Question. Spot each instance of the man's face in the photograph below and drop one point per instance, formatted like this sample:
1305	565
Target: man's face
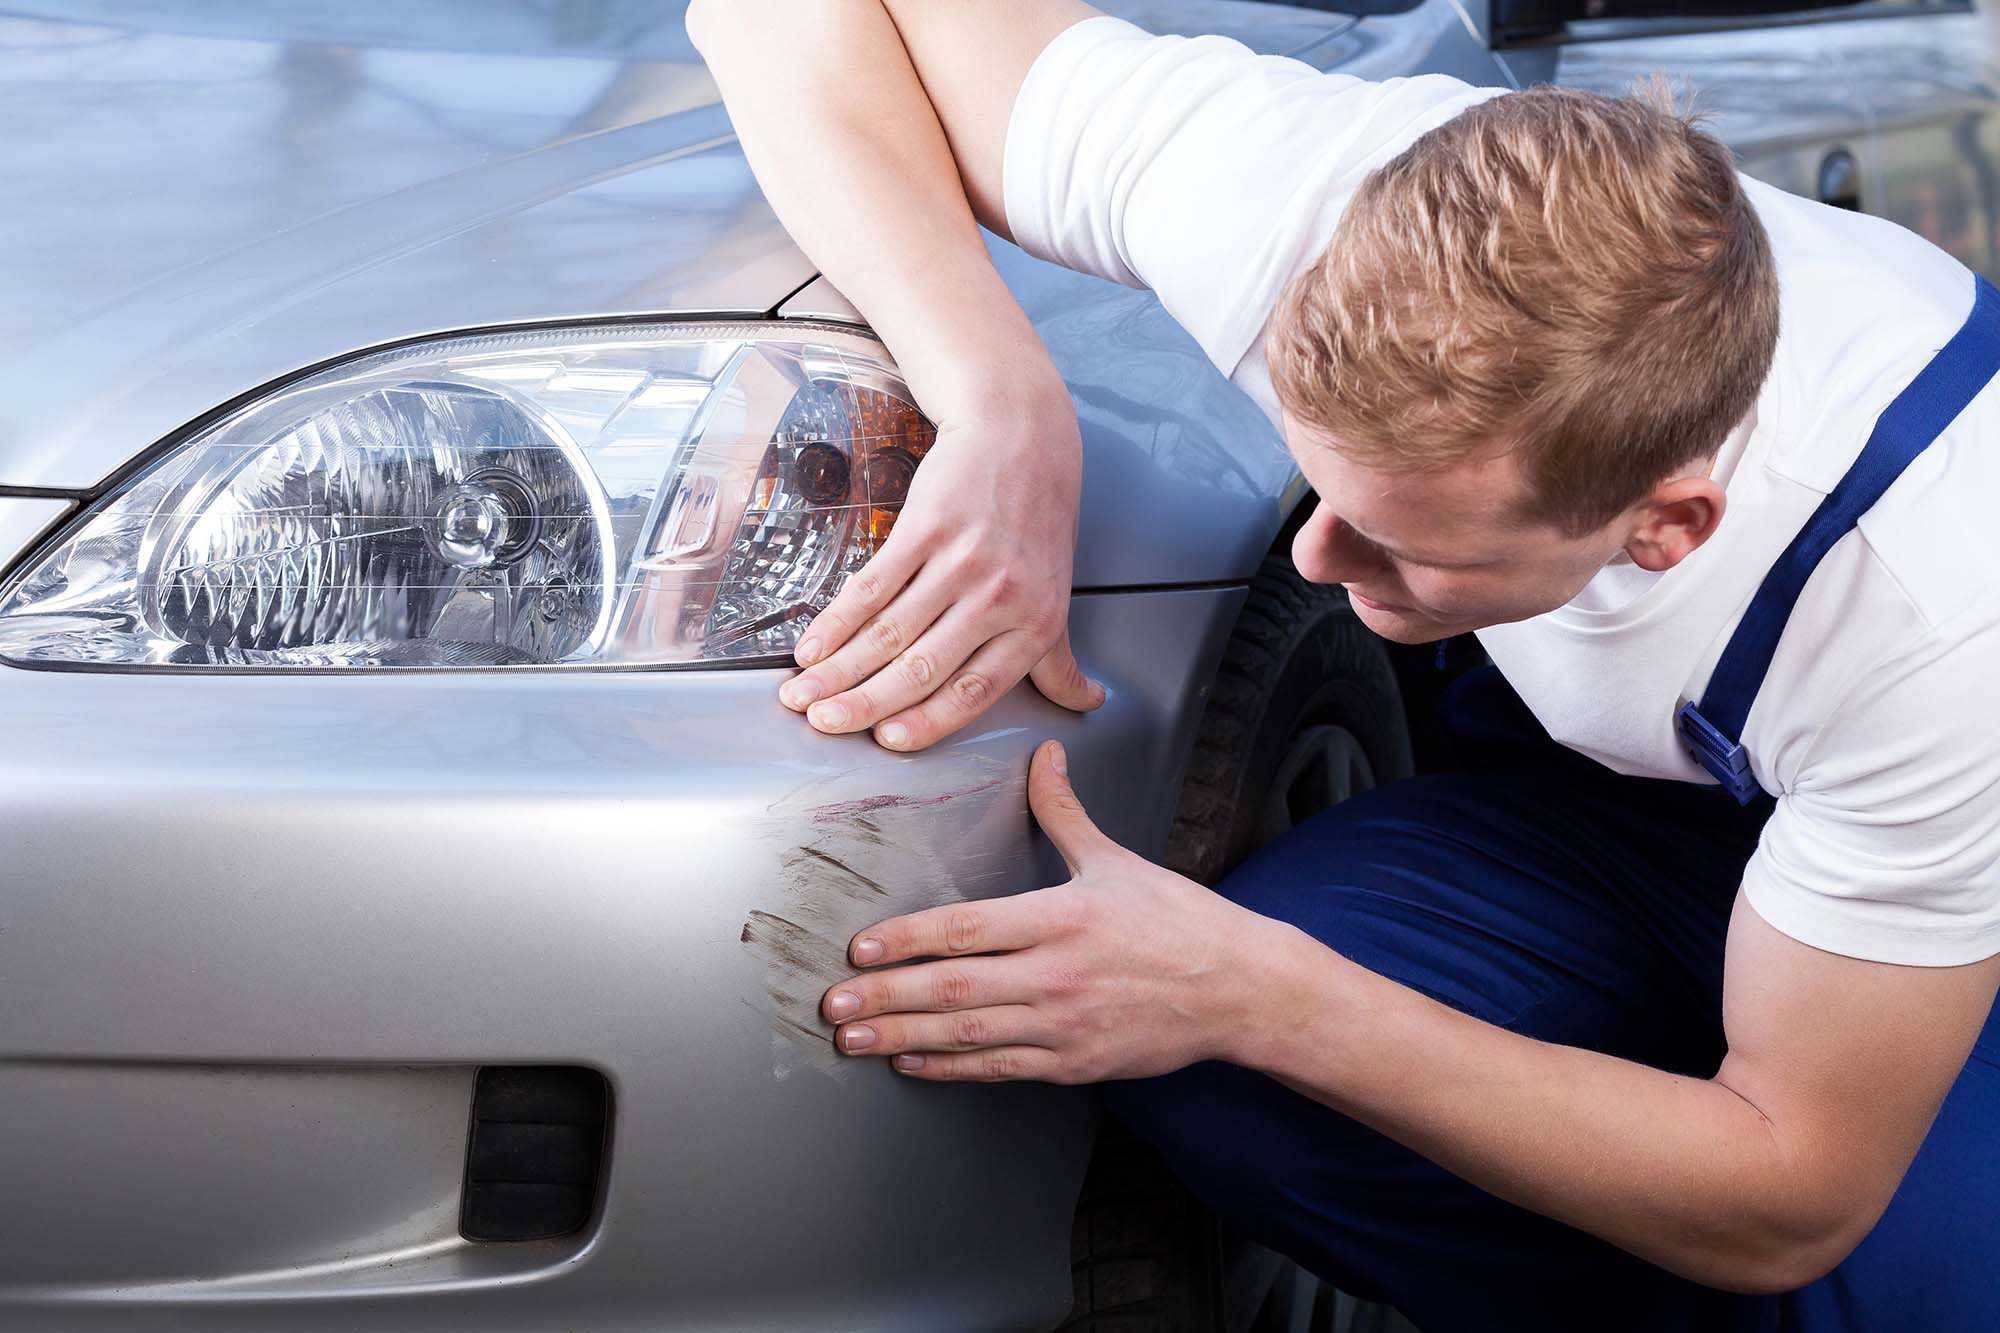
1425	555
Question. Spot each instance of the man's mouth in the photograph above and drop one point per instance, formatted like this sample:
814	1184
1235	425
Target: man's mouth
1374	605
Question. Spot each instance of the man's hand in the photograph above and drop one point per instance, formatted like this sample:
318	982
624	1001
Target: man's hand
970	592
884	181
1126	971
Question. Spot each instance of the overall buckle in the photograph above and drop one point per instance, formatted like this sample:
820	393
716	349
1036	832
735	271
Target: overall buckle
1726	759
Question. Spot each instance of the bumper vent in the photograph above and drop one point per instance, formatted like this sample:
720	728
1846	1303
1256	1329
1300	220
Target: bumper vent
532	1168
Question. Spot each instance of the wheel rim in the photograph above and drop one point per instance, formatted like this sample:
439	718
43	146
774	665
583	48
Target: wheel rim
1323	766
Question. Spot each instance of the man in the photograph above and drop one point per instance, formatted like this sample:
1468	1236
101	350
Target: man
1571	1039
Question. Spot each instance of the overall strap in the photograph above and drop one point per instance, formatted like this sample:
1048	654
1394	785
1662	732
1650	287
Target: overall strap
1713	731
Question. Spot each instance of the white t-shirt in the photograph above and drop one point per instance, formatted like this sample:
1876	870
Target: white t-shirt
1211	174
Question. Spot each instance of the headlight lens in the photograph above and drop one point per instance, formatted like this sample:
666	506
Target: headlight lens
638	495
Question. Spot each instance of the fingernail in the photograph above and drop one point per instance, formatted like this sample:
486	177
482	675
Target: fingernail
843	1004
909	1062
807	652
893	735
867	949
857	1037
1058	758
1096	693
828	715
798	693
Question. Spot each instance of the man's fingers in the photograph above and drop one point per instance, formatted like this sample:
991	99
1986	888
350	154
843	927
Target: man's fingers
893	630
970	1030
996	1064
972	689
1062	681
987	926
1059	812
869	590
913	675
938	987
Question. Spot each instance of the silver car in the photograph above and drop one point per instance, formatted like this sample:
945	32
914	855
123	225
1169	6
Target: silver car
419	448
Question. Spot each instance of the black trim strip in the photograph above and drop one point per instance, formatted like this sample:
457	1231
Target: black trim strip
1629	29
43	493
1128	589
772	313
853	326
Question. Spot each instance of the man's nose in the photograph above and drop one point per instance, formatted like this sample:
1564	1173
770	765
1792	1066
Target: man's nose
1326	550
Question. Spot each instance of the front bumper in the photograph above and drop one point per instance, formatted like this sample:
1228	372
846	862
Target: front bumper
258	932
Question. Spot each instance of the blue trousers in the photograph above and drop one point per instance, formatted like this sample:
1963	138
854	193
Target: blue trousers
1539	891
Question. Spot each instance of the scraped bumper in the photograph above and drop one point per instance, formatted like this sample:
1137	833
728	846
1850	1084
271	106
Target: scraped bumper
257	934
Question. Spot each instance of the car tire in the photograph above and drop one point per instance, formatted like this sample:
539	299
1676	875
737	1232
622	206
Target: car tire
1303	712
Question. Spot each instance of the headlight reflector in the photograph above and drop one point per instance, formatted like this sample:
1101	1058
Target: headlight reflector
604	496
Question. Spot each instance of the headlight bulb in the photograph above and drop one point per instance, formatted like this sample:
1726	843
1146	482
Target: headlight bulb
823	474
488	519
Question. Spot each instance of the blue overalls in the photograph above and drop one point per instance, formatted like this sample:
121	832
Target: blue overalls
1537	890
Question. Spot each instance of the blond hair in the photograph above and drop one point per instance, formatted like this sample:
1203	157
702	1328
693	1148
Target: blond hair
1575	277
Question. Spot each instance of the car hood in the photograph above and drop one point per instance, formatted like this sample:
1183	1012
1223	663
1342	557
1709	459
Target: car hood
208	197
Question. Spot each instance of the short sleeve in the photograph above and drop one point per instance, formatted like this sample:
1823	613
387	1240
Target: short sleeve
1886	845
1197	167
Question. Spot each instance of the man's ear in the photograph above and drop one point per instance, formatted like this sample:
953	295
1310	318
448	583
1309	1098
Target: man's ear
1678	516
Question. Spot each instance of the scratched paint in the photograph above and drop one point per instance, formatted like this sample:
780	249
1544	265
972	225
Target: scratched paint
850	854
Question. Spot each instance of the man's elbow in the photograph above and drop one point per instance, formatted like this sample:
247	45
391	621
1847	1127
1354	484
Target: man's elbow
1784	1258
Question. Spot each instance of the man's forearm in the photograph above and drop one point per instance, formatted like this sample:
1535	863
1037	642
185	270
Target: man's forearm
1680	1171
851	155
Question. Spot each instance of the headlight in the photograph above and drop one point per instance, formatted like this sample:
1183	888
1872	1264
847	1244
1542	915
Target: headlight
635	495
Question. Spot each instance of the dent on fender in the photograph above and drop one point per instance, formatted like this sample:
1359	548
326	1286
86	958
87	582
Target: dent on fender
850	854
